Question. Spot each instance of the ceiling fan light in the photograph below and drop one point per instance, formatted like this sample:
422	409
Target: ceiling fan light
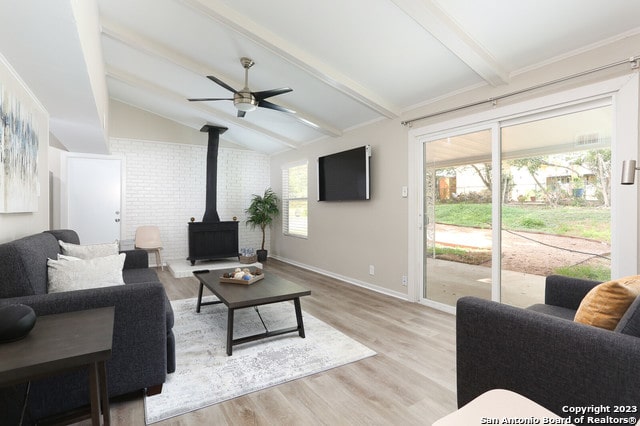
245	101
246	105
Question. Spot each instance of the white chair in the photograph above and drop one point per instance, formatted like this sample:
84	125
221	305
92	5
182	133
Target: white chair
148	238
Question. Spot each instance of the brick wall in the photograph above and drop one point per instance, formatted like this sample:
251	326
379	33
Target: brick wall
165	185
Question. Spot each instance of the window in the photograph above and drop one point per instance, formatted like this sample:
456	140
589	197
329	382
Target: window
294	200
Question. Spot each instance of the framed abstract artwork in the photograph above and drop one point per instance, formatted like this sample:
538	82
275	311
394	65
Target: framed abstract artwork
19	145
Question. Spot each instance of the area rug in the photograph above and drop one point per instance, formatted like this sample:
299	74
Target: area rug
205	375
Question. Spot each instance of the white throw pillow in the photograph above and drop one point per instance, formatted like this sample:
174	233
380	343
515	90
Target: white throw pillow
70	273
89	251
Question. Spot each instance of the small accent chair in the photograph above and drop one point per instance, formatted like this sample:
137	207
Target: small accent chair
148	238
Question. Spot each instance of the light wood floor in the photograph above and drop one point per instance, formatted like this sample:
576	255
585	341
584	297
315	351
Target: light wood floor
411	380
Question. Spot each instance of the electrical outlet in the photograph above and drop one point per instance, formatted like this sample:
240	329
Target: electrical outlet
405	281
372	270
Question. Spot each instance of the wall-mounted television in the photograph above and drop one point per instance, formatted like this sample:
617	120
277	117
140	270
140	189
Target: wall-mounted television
344	176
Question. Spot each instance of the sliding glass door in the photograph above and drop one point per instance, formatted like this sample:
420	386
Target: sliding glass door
556	202
457	217
507	205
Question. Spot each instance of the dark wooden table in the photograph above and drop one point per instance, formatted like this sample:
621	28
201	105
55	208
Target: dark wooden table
62	342
271	289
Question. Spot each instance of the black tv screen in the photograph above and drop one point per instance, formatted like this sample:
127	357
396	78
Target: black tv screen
344	176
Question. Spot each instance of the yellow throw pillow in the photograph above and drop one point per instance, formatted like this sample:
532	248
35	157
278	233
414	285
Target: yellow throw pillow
606	303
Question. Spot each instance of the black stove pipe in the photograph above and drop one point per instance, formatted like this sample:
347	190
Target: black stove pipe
211	211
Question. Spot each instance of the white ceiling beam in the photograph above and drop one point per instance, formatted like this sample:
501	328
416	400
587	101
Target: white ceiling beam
429	15
169	95
221	12
143	44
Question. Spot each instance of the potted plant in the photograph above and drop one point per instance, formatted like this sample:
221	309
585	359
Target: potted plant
261	212
533	195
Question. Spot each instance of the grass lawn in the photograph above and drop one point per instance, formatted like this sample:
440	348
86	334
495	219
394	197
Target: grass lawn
584	222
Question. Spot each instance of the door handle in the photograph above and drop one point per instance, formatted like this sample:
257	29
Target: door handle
117	220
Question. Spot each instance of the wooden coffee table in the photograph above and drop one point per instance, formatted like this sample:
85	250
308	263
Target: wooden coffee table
61	342
271	289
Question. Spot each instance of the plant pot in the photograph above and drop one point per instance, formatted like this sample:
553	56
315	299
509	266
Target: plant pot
262	255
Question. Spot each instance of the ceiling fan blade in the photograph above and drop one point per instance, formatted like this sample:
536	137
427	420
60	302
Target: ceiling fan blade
222	83
267	104
241	113
209	99
269	93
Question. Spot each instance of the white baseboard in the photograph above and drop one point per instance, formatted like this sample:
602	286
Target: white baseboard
348	280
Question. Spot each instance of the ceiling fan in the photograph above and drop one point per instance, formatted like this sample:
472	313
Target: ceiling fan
245	100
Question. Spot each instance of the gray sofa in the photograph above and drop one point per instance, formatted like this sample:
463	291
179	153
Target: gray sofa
540	353
143	349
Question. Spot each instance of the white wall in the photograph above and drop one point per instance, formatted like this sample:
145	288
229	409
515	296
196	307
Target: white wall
128	122
346	237
55	189
165	185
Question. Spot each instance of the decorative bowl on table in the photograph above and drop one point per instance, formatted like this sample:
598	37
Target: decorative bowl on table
242	276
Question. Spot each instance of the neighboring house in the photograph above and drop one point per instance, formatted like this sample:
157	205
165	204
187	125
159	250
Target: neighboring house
569	179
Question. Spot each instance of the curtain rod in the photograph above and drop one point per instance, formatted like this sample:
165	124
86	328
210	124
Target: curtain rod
633	60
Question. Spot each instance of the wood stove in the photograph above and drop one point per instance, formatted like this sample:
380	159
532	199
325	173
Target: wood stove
211	238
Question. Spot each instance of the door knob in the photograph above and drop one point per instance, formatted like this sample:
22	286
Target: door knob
117	220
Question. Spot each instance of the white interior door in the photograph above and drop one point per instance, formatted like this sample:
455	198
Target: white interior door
93	198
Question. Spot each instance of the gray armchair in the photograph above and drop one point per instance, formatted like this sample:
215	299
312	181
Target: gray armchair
540	353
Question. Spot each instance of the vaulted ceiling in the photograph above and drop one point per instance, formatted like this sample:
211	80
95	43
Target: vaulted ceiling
349	63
